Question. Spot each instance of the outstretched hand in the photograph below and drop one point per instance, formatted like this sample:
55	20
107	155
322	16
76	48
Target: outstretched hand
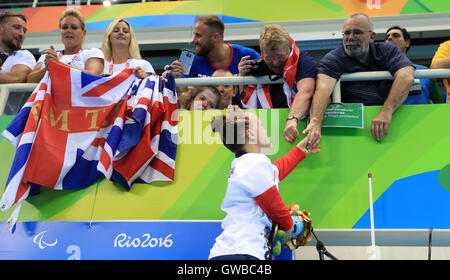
303	145
314	131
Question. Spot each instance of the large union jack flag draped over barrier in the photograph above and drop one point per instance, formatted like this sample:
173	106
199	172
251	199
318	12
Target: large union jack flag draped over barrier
76	127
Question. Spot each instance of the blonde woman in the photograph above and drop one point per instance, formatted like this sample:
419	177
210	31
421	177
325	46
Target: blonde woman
121	50
72	28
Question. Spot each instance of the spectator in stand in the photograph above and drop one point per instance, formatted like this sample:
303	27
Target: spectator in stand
282	57
423	90
199	98
441	60
121	50
229	94
211	51
72	28
15	63
359	53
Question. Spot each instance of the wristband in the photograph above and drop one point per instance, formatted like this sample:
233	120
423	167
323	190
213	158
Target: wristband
292	117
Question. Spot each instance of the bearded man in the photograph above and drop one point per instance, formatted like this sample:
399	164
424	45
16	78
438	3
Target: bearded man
360	53
15	64
211	52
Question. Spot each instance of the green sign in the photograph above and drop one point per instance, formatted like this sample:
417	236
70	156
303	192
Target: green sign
344	115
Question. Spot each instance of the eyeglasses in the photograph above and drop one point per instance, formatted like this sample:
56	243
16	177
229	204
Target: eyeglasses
355	32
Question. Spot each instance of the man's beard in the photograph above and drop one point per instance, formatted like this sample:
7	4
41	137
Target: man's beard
355	52
203	50
10	45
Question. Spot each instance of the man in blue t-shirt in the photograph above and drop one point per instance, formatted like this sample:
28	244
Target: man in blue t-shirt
359	53
211	51
423	90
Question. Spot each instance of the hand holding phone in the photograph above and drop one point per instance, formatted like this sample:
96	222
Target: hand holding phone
186	59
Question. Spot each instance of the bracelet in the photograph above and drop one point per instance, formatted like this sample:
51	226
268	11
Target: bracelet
292	117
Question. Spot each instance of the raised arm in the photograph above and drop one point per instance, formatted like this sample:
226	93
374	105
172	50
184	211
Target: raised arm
291	159
288	162
270	201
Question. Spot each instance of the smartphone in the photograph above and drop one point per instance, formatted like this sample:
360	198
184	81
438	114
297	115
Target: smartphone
186	59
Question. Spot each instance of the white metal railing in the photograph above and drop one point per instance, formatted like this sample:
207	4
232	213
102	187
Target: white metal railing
235	80
6	89
384	75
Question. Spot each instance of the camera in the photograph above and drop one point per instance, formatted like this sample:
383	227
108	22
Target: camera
259	68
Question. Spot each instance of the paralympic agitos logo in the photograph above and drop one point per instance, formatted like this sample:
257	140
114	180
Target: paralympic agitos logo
40	241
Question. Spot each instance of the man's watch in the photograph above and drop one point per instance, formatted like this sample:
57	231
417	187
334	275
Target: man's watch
292	117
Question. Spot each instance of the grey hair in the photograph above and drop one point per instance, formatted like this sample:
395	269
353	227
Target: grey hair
363	15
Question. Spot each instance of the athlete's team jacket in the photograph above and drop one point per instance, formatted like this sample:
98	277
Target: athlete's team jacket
252	202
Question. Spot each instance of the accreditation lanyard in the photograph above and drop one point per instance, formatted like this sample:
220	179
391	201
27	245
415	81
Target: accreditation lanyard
60	55
111	65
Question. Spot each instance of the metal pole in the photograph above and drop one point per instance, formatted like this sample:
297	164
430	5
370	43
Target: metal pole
336	94
4	94
372	223
214	81
385	75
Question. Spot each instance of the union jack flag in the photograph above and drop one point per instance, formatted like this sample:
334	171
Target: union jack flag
76	127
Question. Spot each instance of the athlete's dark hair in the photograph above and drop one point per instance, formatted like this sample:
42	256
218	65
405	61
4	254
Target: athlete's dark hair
231	128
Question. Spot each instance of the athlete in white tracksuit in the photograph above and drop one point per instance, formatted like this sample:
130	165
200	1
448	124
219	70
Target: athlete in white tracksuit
252	201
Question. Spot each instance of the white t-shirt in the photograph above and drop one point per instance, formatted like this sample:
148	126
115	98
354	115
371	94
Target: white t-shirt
131	63
15	98
19	57
246	228
77	60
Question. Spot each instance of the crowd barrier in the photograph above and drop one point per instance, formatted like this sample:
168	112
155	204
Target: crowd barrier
6	89
384	75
